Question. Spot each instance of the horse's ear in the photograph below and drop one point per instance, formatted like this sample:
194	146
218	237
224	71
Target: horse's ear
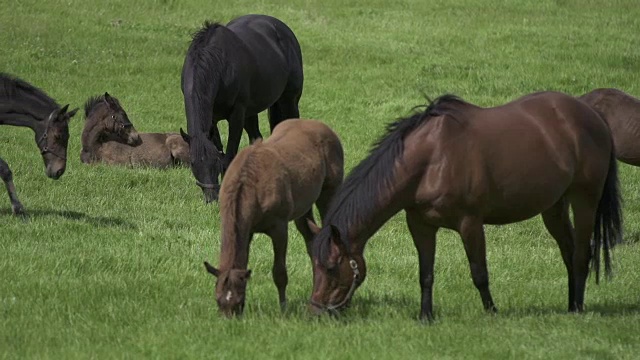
313	227
70	114
63	109
185	136
211	270
110	100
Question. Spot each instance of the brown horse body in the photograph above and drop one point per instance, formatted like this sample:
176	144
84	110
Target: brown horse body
622	112
110	138
267	185
459	166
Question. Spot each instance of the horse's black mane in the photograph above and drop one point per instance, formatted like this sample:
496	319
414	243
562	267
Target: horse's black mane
23	97
94	102
361	190
203	33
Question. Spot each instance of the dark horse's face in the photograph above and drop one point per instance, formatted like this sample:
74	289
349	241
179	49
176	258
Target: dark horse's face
52	139
116	123
231	286
206	164
336	274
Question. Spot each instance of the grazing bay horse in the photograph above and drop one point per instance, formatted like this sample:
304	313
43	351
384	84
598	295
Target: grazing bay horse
459	166
22	104
110	137
234	72
622	112
269	184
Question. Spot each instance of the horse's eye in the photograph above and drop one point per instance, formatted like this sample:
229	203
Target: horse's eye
113	117
122	125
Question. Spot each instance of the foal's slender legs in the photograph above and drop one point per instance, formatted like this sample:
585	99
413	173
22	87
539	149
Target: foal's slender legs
279	234
7	177
424	238
556	220
303	227
252	128
472	232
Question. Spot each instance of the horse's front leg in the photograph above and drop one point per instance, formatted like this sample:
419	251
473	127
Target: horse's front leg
214	136
236	124
279	237
7	177
472	232
424	238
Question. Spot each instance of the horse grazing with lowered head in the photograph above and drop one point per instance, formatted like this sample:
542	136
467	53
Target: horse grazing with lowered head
269	184
109	137
459	166
622	112
22	104
234	72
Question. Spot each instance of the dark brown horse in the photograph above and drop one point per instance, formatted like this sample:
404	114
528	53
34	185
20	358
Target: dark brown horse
459	166
234	72
109	137
269	184
622	112
22	104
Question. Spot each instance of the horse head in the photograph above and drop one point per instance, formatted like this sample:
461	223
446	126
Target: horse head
337	273
230	290
206	163
116	123
52	138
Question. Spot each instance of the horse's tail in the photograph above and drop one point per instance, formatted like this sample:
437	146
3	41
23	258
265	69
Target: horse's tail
608	227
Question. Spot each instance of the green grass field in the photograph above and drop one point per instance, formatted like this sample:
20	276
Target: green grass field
109	264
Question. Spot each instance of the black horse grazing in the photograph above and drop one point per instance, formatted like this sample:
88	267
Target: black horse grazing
22	104
234	72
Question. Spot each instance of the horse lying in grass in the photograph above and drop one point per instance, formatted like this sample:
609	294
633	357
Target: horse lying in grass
267	185
109	137
459	166
22	104
622	112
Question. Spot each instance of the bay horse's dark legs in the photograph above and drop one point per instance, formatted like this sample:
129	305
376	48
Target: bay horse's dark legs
424	238
472	233
7	177
279	235
252	128
557	221
584	214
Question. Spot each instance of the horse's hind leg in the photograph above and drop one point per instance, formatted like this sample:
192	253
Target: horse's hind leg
7	177
584	214
283	109
252	128
472	232
279	235
303	227
557	221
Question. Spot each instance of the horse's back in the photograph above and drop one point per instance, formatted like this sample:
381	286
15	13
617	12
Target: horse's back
621	111
513	161
151	152
288	170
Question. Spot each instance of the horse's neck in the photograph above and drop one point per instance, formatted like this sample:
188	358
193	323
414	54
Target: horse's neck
91	137
24	120
363	224
237	228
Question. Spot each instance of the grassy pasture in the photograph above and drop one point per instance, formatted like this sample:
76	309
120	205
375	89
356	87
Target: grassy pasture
110	262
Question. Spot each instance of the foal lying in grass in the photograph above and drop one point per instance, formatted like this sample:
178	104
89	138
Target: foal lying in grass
110	137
